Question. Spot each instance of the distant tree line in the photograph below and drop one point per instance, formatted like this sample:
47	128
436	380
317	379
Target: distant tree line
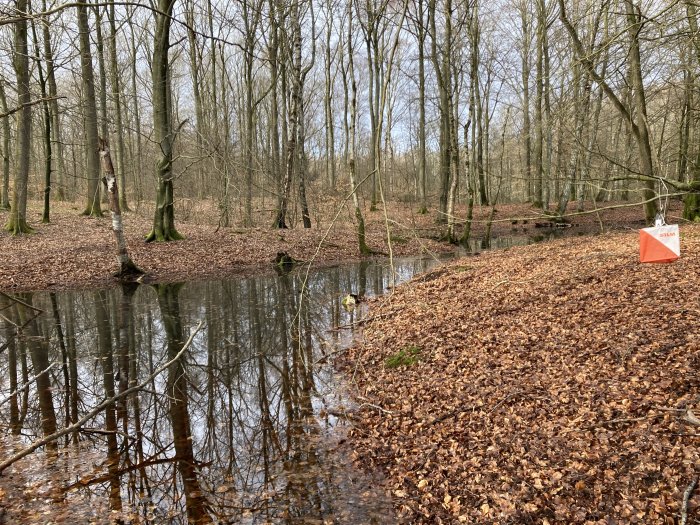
260	104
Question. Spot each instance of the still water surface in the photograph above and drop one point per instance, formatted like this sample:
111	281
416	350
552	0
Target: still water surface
243	428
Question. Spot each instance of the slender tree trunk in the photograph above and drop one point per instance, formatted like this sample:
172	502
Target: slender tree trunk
328	105
92	174
527	128
46	113
691	202
5	201
195	61
634	19
58	167
478	106
136	164
294	116
249	58
39	354
354	187
273	52
422	160
116	87
127	268
17	223
548	122
537	198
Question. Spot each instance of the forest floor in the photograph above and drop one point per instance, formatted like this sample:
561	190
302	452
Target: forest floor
551	383
559	383
79	252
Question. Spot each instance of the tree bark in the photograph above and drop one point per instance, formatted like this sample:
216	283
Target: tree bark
196	503
17	223
5	201
691	202
127	268
116	87
92	174
354	187
164	217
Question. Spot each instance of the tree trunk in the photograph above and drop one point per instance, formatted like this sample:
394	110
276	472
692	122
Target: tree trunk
328	105
39	354
58	167
92	206
354	187
115	80
691	202
127	268
527	138
164	217
634	19
196	503
17	223
294	116
537	198
46	113
422	161
5	201
273	52
136	164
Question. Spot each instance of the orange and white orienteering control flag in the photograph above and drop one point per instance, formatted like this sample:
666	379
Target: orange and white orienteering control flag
659	244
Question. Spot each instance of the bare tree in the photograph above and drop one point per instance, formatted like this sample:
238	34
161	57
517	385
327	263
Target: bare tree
17	222
5	200
164	134
92	168
635	115
127	268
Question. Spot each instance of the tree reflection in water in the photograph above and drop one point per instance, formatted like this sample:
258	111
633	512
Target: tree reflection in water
231	432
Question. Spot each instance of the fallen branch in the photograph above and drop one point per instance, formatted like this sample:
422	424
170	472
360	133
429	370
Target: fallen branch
14	299
25	385
84	482
99	408
691	418
623	420
375	407
450	414
355	324
686	498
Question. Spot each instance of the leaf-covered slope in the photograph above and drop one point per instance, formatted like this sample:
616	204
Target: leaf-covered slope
552	387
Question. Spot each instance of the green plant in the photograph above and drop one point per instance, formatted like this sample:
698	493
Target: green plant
405	357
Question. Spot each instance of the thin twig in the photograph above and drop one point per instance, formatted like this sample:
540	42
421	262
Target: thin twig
686	498
378	408
357	323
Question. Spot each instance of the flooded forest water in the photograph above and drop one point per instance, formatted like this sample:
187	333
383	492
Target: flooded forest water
244	426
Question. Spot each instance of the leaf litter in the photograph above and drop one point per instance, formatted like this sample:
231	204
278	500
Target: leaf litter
557	383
